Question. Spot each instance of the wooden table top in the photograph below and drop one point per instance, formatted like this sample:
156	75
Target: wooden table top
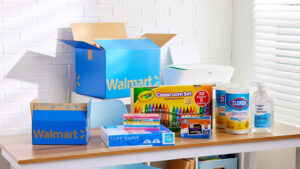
19	147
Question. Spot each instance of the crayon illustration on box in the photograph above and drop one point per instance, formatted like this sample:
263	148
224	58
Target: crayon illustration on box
172	102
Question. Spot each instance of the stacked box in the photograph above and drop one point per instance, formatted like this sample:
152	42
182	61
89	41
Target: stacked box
171	102
141	122
60	123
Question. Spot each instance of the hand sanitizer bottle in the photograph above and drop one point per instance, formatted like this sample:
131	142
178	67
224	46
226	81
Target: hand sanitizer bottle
262	110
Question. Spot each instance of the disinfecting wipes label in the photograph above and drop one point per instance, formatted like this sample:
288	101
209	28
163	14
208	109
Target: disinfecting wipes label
262	118
237	111
220	107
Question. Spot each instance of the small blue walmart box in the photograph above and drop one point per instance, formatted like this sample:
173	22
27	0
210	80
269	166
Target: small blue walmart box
107	64
116	136
60	123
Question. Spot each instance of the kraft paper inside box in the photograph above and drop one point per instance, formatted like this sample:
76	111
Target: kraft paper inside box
181	164
107	63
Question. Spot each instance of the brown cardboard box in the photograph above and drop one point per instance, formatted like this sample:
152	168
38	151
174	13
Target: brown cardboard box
181	164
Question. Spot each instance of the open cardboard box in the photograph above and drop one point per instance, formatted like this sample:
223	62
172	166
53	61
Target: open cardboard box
107	63
60	123
187	69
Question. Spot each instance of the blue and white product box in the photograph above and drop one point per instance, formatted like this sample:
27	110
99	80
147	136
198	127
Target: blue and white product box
107	64
116	136
60	123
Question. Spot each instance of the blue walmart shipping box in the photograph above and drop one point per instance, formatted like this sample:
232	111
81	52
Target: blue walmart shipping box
60	123
107	63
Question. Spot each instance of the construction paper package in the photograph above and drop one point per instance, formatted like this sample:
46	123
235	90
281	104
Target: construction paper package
116	136
60	123
171	102
107	63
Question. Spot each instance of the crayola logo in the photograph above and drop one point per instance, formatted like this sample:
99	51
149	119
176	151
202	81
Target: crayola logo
58	134
239	103
221	99
114	84
145	96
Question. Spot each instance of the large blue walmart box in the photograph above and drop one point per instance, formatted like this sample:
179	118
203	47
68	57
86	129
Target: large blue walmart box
108	64
60	123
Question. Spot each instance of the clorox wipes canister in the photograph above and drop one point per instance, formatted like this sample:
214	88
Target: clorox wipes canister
237	110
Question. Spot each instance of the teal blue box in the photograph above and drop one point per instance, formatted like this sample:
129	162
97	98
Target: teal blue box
60	123
107	64
227	163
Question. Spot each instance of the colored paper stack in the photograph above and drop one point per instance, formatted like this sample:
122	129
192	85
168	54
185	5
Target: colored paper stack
141	122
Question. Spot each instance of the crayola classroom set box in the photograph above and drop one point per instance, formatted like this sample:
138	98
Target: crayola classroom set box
171	102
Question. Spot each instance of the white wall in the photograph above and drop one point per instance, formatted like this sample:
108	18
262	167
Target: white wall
33	64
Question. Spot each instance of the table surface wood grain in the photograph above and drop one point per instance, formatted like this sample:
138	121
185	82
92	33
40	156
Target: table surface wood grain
19	147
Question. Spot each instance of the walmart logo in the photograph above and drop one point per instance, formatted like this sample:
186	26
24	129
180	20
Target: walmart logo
59	134
114	84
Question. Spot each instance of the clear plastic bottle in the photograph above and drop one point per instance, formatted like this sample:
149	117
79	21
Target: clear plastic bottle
262	110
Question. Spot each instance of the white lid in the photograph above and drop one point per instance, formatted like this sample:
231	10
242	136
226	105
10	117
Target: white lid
223	86
260	85
237	90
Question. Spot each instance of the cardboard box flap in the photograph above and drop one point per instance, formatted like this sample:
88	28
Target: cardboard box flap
59	115
31	105
79	44
159	39
87	32
127	44
60	106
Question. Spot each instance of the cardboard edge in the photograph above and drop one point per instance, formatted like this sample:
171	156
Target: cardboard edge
160	39
60	106
31	105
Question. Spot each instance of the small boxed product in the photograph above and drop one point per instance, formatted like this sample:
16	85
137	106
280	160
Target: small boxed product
141	122
107	63
195	126
60	123
171	102
116	136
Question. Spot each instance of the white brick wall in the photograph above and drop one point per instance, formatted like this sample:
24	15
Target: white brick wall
33	64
